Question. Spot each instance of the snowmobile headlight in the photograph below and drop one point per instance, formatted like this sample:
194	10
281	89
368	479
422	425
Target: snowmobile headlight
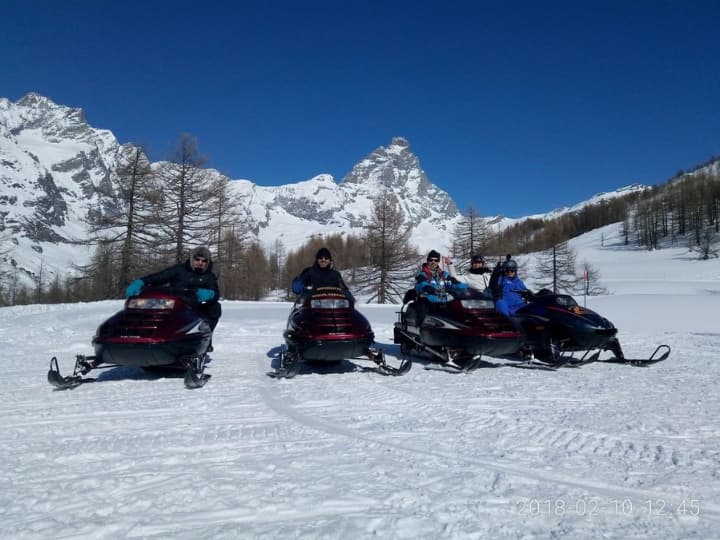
477	303
330	303
151	303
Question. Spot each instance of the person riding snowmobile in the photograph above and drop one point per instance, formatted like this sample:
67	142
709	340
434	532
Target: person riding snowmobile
477	276
509	291
432	282
321	274
195	274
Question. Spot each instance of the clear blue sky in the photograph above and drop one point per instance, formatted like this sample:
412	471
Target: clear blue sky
515	107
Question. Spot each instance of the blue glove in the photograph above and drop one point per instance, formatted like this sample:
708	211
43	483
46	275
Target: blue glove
134	288
297	286
203	295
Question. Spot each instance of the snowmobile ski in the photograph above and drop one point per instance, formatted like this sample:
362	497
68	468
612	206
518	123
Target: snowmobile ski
453	366
195	376
82	366
383	368
579	362
289	366
387	369
195	380
659	354
535	363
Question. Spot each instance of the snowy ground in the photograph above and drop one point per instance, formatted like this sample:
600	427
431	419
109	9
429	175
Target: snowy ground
604	451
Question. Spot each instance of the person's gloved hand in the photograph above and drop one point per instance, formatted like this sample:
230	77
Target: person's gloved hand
203	295
527	295
134	288
297	286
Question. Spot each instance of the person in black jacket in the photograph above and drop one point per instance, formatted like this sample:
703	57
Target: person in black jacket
195	274
320	274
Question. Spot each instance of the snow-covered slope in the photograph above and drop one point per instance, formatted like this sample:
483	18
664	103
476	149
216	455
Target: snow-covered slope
604	451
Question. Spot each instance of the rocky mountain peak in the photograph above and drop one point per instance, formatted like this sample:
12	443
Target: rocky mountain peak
396	169
56	169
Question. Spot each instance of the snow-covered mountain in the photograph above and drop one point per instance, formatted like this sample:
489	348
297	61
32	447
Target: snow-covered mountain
56	170
293	213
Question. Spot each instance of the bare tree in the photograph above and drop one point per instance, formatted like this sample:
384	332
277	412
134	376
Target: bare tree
185	209
555	269
224	216
471	234
709	244
391	260
591	280
125	232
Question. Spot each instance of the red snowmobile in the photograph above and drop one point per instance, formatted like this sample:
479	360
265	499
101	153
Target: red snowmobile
324	328
159	329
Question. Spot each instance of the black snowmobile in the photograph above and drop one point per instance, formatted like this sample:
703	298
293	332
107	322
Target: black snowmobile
455	334
324	328
556	327
157	330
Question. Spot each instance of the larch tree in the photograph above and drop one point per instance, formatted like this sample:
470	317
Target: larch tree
186	213
391	258
555	269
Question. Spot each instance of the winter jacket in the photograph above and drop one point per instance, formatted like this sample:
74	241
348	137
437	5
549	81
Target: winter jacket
435	285
182	276
315	276
510	298
478	280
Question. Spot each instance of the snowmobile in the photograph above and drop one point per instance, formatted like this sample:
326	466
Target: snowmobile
455	334
324	328
556	327
157	330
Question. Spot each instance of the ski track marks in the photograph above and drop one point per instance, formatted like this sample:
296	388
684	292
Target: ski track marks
570	476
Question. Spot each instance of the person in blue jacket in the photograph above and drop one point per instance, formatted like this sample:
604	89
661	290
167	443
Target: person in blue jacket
195	274
432	282
509	290
432	285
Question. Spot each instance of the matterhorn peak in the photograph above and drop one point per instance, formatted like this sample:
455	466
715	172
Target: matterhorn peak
400	141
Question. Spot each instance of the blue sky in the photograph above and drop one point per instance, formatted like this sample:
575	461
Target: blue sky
516	107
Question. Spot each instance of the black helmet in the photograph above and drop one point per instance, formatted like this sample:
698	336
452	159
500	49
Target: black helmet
477	258
510	265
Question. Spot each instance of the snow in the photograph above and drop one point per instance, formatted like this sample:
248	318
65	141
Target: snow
603	451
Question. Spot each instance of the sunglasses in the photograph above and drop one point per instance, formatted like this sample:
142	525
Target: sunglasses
200	259
433	260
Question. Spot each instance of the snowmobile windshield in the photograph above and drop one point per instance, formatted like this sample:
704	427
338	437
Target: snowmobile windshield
565	301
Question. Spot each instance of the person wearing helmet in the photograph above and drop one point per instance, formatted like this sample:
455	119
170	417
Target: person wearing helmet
509	291
477	276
